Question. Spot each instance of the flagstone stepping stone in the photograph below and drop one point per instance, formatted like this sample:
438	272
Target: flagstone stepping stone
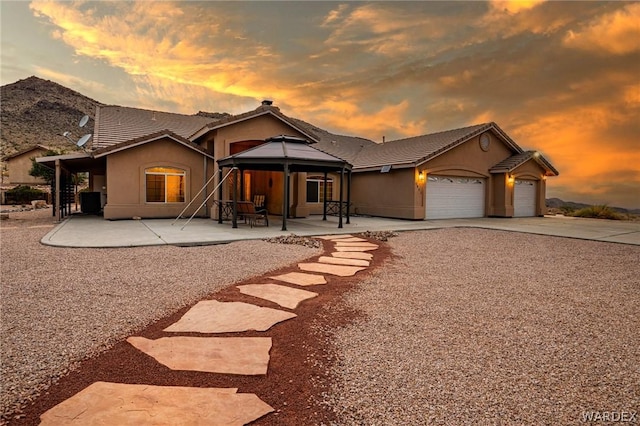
355	248
300	278
339	261
351	240
361	244
226	355
103	403
325	268
334	237
280	294
212	316
352	255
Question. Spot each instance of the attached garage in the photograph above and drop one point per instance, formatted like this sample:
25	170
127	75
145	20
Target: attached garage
524	198
451	197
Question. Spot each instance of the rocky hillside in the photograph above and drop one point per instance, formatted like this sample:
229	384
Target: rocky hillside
37	111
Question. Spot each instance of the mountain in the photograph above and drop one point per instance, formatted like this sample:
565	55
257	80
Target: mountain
37	111
557	203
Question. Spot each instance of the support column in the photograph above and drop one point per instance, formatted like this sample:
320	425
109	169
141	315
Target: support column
341	198
285	197
57	205
348	194
235	201
324	202
220	194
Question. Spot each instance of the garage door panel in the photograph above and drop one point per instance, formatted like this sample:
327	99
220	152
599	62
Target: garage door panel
524	198
450	197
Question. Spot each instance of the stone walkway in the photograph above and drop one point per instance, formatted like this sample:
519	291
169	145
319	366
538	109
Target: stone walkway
104	403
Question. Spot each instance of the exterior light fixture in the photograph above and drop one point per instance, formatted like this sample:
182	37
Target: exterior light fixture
421	176
510	179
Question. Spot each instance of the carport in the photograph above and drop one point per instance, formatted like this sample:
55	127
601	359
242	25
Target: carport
288	154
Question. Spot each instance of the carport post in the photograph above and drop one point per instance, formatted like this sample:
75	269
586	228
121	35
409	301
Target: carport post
58	176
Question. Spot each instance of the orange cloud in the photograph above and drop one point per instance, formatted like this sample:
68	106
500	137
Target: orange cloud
616	33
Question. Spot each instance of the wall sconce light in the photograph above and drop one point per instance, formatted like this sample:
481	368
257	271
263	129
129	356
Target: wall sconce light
421	176
510	179
544	177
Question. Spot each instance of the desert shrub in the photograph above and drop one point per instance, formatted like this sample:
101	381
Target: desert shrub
601	211
23	194
567	210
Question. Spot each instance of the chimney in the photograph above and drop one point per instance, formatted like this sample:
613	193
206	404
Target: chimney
267	102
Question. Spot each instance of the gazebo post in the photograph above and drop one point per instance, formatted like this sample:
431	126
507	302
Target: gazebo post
235	201
324	203
285	198
348	194
341	198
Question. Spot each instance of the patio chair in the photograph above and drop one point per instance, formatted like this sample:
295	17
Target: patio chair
248	211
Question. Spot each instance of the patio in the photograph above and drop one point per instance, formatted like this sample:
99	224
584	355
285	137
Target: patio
94	231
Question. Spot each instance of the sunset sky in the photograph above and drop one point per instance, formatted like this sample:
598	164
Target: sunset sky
559	77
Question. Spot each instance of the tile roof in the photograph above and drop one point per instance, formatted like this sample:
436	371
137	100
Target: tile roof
26	150
117	124
149	138
416	150
510	164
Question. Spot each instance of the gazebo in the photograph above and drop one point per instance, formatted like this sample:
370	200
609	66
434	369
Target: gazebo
287	154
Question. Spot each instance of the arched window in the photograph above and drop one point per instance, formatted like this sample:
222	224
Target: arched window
315	189
165	185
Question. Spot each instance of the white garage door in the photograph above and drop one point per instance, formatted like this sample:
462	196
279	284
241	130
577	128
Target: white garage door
524	198
450	197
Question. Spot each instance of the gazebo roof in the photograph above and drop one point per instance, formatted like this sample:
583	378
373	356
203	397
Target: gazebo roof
278	151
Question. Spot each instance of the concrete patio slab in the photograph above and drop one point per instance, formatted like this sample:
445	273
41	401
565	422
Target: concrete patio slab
212	316
225	355
352	255
94	231
338	261
300	278
282	295
103	403
325	268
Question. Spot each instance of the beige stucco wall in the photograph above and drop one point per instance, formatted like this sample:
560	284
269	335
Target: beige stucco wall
18	168
395	194
126	183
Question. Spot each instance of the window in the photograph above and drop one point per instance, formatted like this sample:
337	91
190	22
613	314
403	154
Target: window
315	189
165	185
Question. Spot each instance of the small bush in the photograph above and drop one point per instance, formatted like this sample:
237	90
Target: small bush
567	210
601	211
23	194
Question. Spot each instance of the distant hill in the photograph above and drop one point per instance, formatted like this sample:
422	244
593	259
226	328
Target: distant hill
37	111
557	203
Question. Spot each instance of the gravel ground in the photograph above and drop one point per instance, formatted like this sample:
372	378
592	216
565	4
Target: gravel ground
62	305
471	326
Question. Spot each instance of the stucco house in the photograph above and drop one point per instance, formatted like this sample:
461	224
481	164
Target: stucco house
19	164
153	164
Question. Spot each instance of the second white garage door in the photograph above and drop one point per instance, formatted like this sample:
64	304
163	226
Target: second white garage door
450	197
524	198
